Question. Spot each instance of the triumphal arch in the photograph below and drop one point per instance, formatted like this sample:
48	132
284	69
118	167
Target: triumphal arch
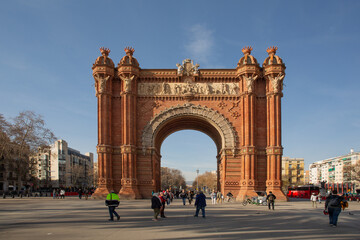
239	108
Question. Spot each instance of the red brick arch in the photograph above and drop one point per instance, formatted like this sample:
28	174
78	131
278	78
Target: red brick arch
240	109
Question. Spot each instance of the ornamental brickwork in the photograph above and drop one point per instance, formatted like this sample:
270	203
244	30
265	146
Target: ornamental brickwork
240	109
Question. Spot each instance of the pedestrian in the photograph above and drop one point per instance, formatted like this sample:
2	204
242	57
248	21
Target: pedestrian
62	193
319	197
168	196
156	205
271	200
183	195
213	197
86	192
190	196
219	197
313	199
112	201
200	203
80	193
333	207
54	193
163	203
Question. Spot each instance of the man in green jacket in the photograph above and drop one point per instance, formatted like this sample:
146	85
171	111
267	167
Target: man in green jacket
112	201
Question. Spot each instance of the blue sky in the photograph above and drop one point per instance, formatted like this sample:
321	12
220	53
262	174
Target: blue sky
48	47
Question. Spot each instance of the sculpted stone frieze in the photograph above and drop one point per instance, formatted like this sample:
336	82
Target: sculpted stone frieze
160	89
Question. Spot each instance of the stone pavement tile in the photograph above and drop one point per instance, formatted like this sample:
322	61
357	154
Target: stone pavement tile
46	218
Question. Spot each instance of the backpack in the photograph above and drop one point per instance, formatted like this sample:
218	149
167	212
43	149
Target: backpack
335	202
271	198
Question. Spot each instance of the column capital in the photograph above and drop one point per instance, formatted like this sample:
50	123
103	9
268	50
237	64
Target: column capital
274	150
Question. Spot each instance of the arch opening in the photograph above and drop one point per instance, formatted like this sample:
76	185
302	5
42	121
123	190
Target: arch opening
188	150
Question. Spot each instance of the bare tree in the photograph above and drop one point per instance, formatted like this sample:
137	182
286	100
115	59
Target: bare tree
172	178
352	171
207	179
77	175
26	134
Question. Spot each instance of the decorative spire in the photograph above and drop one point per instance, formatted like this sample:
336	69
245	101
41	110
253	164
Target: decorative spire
271	51
247	50
129	51
104	51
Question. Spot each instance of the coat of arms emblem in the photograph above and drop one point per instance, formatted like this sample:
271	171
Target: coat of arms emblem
188	68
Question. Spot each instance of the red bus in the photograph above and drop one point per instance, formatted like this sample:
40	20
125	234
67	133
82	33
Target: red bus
303	191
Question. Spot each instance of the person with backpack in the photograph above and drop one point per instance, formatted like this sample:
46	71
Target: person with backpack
333	206
112	201
271	200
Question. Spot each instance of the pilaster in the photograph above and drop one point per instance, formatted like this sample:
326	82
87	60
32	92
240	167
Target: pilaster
274	74
103	72
128	72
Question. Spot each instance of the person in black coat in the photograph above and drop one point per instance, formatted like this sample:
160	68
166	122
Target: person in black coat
200	203
156	205
333	206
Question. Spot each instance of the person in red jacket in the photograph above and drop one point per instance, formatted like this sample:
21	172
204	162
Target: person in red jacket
163	202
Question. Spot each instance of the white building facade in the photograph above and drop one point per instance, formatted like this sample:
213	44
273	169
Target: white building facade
70	168
62	166
331	171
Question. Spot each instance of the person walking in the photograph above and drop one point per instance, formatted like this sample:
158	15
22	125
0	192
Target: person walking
213	197
112	201
163	203
200	203
333	207
271	200
62	193
80	193
319	197
313	199
183	196
156	205
190	196
219	197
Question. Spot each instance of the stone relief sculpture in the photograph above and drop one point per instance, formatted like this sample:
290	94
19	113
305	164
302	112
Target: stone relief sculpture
180	68
101	82
277	82
127	83
159	89
250	81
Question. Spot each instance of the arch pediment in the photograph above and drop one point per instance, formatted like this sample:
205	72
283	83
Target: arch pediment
214	118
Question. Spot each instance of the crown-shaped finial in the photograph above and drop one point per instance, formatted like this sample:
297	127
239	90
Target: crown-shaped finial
104	51
129	50
272	50
247	50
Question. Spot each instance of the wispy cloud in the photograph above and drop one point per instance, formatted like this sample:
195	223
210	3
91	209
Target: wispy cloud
201	44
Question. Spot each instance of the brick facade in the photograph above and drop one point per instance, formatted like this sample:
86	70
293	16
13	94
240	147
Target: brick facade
240	109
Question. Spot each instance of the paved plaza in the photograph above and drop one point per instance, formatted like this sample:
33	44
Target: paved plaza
47	218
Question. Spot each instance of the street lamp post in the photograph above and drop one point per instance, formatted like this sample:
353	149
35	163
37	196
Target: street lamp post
197	180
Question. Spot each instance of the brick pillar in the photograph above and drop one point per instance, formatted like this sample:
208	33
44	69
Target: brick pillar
274	73
128	72
103	72
248	71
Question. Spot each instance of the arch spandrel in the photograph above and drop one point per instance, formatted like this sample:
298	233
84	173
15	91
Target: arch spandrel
214	118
